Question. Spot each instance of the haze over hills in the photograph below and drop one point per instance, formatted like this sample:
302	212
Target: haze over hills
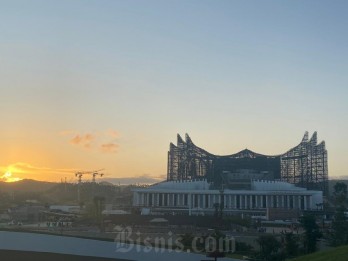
26	185
37	185
145	179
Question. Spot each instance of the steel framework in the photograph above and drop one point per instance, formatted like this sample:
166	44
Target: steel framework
304	165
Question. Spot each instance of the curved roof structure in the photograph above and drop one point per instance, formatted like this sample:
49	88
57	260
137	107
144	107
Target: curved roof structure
304	165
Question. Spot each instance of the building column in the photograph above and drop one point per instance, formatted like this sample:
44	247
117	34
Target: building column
261	201
305	202
141	199
189	203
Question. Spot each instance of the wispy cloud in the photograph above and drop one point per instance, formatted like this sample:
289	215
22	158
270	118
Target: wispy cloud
113	133
25	168
85	140
109	147
20	170
102	141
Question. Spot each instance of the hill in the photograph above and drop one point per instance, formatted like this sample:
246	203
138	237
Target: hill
27	185
335	254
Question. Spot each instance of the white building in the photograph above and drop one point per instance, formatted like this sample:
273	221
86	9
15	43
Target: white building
197	198
66	208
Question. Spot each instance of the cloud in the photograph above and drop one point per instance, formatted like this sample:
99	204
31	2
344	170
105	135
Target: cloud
109	147
113	133
85	140
8	177
102	141
20	170
22	167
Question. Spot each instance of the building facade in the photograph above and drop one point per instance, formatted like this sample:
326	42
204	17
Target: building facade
198	197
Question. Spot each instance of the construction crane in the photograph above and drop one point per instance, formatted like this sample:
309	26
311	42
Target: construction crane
79	176
94	173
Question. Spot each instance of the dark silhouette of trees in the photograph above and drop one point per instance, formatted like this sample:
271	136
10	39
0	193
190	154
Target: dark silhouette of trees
340	194
312	233
291	246
339	235
269	248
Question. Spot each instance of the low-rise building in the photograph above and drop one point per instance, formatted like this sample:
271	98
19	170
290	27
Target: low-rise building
197	197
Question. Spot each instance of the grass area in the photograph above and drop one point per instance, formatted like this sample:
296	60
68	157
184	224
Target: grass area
235	256
335	254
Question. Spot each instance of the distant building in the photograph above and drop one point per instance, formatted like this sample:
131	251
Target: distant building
26	213
73	209
304	165
199	197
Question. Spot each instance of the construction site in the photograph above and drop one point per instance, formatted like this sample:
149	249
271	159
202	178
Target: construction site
304	165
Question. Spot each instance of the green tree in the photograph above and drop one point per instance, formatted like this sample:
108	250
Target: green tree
269	248
340	193
94	211
339	234
312	233
291	247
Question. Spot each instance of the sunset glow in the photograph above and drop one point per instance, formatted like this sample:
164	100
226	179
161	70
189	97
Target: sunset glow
112	92
7	177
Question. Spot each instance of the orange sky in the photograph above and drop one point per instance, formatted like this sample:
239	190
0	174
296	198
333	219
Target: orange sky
87	85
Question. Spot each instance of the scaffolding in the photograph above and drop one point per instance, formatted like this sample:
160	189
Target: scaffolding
304	165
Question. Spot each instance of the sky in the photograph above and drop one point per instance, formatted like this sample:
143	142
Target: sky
88	85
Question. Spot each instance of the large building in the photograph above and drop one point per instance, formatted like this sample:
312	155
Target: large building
305	165
198	197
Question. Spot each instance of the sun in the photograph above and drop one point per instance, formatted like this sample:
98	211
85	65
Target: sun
7	177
